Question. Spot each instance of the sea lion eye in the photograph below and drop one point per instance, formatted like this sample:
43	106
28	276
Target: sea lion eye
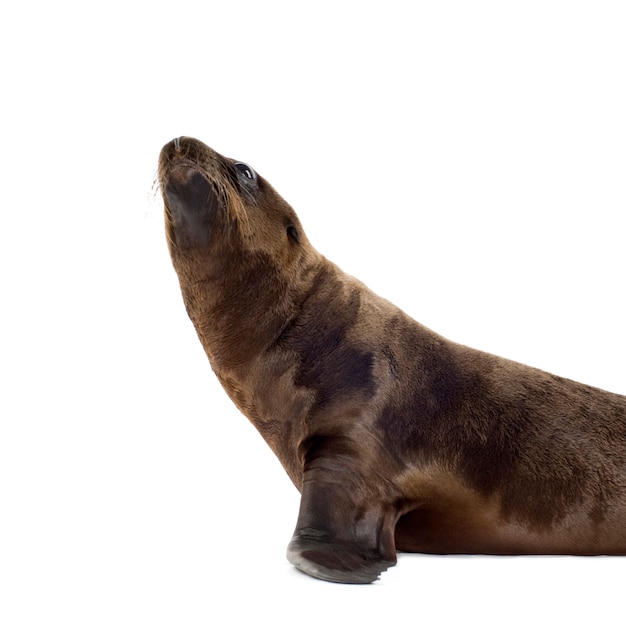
246	171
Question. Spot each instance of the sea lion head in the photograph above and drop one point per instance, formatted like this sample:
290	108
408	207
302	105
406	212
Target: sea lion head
240	252
212	201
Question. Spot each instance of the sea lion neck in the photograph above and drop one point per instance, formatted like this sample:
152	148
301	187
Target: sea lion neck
235	314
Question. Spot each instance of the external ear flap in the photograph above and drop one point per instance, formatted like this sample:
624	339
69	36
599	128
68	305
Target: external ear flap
293	233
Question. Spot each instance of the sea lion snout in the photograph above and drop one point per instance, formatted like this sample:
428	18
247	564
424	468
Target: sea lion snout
186	189
182	149
176	144
190	204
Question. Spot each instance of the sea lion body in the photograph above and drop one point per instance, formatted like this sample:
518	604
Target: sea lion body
396	437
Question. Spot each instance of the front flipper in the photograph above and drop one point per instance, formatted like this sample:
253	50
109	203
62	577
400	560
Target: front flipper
344	532
336	562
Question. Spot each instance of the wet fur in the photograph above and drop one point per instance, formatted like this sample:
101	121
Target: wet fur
396	437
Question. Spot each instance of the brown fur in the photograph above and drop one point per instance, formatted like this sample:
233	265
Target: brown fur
395	436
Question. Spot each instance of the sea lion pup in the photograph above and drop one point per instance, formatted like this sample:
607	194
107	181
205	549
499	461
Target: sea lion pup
396	437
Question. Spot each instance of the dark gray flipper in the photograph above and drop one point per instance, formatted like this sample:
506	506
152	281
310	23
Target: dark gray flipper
343	533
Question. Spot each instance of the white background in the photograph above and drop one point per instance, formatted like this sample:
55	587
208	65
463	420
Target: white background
465	159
